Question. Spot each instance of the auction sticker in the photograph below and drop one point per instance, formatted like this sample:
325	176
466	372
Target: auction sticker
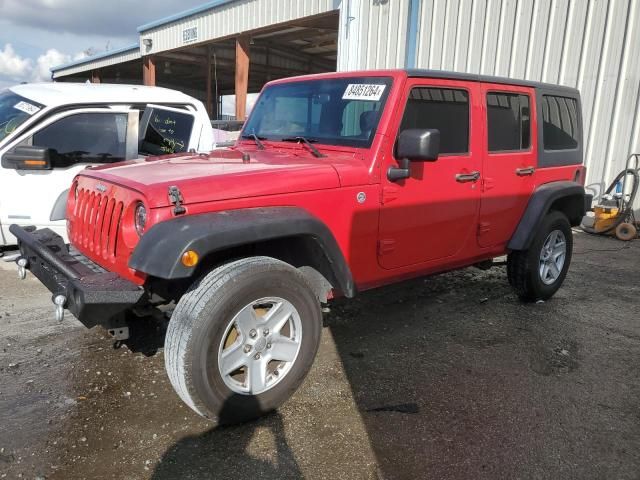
364	91
26	108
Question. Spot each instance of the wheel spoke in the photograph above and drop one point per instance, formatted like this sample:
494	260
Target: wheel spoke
232	359
257	375
283	348
559	249
553	238
544	271
278	316
246	320
553	268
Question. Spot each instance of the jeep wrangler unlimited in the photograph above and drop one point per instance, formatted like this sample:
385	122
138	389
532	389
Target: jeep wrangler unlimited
339	183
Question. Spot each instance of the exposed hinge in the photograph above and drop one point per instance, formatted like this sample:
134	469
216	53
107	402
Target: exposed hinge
386	246
175	198
388	195
484	228
487	184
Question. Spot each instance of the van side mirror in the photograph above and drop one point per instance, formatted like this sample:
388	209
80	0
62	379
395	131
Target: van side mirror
415	145
28	158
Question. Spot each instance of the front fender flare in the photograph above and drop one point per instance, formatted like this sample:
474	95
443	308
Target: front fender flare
160	249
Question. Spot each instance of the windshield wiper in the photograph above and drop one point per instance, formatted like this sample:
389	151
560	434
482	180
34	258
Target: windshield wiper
255	139
307	142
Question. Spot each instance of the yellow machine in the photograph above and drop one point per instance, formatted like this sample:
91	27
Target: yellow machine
614	214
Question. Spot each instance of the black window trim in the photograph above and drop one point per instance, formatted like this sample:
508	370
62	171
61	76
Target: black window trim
531	140
440	87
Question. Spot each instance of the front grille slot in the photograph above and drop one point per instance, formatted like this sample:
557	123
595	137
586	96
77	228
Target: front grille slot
97	223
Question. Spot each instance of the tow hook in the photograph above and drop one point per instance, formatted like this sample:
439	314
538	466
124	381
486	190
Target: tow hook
22	268
60	301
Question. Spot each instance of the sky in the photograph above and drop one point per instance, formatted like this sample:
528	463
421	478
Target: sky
38	34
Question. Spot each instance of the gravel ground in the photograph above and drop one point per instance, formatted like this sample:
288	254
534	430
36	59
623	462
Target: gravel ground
446	378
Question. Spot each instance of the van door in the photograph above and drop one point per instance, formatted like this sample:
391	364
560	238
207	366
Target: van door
509	161
432	215
75	139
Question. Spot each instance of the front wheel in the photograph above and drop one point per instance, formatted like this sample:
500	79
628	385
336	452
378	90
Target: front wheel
538	273
242	339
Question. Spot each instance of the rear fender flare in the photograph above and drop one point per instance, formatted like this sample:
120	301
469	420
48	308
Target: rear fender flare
541	201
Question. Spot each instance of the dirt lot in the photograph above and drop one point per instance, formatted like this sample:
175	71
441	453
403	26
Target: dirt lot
444	378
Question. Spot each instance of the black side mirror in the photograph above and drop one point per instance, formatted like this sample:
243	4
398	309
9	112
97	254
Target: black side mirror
415	145
28	158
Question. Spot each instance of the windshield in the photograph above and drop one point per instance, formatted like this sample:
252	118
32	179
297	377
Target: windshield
337	111
14	111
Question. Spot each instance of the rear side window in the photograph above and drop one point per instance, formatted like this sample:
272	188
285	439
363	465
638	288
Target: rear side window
84	138
508	122
166	132
560	122
443	109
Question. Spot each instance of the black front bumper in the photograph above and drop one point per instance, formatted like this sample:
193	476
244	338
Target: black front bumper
93	295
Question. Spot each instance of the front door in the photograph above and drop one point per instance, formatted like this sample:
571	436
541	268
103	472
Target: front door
75	139
432	215
509	163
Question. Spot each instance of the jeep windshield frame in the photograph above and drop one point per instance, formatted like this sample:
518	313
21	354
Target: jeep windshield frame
14	111
342	111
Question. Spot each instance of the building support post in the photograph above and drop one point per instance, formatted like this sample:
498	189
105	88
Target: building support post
95	76
209	79
242	76
149	71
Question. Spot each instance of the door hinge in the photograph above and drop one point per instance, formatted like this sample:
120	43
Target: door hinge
386	246
388	195
484	228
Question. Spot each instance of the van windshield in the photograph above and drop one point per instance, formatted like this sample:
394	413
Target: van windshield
14	111
337	111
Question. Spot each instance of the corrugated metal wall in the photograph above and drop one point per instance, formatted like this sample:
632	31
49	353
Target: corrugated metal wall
373	34
105	60
593	45
231	19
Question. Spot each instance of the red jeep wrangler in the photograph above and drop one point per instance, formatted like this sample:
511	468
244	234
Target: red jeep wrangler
339	183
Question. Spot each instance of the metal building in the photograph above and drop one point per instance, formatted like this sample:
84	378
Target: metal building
235	46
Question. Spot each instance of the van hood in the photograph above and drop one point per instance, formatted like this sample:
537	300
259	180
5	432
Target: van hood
224	174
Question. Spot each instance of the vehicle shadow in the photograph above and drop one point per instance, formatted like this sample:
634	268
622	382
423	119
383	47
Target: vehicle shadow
225	452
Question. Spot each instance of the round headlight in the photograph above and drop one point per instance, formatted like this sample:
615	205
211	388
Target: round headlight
140	218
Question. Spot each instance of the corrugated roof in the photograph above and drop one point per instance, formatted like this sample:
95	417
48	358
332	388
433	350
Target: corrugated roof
184	14
93	58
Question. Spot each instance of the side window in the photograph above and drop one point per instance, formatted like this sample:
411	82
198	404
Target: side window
560	123
84	138
166	131
508	122
444	109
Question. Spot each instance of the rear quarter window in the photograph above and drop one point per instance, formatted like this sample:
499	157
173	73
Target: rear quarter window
561	130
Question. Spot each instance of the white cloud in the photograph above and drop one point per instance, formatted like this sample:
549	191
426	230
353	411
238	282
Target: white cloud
16	69
13	66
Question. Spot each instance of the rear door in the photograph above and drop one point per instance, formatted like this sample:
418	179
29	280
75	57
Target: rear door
432	215
509	160
168	130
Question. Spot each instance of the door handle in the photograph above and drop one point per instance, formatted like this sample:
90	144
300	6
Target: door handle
467	177
522	172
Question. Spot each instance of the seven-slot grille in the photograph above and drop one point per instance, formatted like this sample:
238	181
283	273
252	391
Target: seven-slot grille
97	223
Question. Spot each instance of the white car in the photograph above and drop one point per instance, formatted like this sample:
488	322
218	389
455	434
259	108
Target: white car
51	131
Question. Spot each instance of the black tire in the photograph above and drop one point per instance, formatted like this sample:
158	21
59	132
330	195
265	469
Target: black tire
199	322
523	265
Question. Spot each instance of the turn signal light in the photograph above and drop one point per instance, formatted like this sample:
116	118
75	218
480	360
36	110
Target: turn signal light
35	163
190	258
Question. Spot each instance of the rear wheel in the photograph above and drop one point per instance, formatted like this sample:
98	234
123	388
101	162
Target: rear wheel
242	339
538	273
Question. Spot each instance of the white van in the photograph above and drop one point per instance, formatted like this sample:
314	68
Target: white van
51	131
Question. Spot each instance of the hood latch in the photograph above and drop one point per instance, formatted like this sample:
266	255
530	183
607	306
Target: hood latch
176	199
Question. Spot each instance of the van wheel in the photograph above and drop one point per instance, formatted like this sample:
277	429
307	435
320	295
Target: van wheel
538	273
242	339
